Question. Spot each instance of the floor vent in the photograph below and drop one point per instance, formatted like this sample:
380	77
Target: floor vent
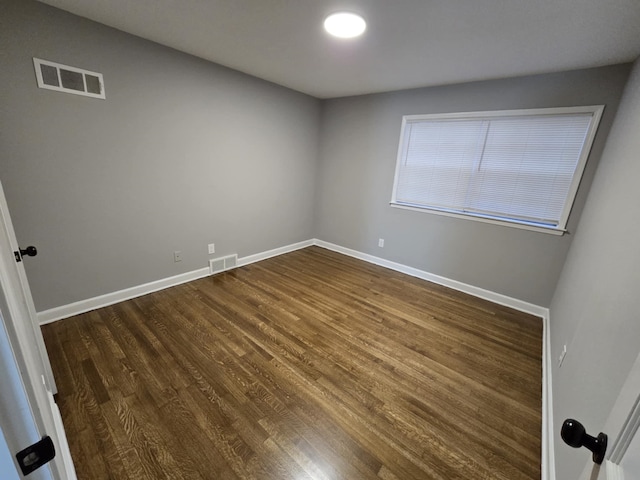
217	265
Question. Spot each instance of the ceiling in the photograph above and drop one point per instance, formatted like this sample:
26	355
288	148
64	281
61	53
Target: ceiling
408	43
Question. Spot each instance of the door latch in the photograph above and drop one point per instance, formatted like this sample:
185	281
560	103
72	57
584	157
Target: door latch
36	455
30	251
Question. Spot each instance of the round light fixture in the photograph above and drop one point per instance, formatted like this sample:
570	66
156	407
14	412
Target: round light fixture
345	25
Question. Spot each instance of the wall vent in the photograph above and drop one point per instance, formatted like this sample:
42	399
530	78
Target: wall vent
63	78
217	265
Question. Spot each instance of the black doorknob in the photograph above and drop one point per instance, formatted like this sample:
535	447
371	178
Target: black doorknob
574	435
30	251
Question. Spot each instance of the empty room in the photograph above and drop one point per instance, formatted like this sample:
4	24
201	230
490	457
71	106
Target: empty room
319	240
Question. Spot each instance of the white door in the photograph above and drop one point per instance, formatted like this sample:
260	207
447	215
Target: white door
630	464
7	467
27	409
622	460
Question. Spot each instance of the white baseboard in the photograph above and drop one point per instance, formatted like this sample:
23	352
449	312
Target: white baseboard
548	459
83	306
447	282
76	308
66	311
274	253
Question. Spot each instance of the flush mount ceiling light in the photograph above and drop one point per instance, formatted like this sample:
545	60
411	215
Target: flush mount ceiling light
345	25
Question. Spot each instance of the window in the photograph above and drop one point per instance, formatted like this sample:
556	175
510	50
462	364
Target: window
520	168
55	76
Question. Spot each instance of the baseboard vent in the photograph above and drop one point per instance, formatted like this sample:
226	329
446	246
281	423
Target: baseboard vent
217	265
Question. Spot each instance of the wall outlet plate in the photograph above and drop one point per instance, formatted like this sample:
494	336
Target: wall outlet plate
381	242
212	248
177	256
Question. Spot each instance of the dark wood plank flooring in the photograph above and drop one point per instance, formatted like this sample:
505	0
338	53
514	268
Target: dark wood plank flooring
310	365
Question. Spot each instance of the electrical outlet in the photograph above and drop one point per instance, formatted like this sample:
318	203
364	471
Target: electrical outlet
212	248
177	256
381	242
562	355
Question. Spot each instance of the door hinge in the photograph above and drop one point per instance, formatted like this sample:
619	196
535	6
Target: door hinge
36	455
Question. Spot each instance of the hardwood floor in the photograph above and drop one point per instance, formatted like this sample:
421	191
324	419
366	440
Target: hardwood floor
310	365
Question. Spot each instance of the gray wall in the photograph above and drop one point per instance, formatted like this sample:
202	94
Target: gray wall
184	152
359	143
180	154
595	310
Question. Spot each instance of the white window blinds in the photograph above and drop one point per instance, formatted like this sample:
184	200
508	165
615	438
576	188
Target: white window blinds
519	166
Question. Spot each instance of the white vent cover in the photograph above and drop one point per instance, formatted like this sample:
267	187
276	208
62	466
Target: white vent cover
62	78
217	265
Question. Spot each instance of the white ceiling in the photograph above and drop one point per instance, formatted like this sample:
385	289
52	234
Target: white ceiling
408	43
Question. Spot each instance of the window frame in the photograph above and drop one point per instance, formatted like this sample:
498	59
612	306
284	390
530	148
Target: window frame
596	112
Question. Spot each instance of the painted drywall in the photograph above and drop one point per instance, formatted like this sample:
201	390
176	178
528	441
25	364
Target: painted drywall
358	150
181	153
595	310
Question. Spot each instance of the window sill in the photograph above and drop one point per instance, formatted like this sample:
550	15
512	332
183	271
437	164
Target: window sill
478	218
